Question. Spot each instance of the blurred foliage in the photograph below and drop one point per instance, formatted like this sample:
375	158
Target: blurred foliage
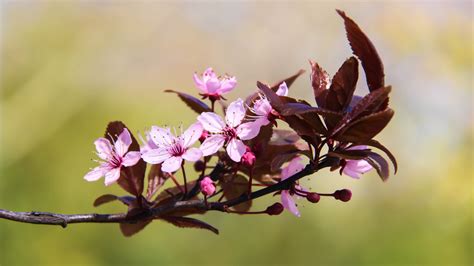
68	68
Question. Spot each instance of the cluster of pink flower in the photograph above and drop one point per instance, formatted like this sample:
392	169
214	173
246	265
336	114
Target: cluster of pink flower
241	123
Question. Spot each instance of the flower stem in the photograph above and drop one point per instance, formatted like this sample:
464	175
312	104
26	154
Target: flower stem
185	182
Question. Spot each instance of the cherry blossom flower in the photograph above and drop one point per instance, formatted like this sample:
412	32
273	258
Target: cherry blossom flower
113	158
293	167
355	168
212	86
148	143
262	109
207	186
230	133
172	150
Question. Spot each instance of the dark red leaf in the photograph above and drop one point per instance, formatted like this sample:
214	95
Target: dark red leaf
282	158
289	81
192	102
366	127
303	108
129	229
363	48
234	186
104	199
272	97
131	178
320	82
367	105
284	137
379	146
187	222
380	164
343	85
156	179
349	154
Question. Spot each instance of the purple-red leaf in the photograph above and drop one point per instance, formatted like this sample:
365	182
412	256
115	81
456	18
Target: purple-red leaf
272	97
367	105
379	146
106	198
234	186
380	164
320	82
192	102
187	222
156	179
363	48
129	229
131	178
343	85
366	127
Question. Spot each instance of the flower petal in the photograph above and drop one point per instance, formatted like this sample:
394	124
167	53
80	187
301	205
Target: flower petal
156	156
192	154
95	174
282	90
123	142
162	137
235	113
131	158
292	168
227	84
112	176
236	149
192	134
199	84
249	130
211	122
212	144
172	164
289	203
104	148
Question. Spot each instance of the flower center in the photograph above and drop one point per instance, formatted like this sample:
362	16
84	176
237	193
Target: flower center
229	133
176	149
115	161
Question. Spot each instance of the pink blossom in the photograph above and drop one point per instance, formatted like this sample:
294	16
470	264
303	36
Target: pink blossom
207	186
248	159
148	143
354	168
212	86
230	133
172	150
113	158
287	199
262	109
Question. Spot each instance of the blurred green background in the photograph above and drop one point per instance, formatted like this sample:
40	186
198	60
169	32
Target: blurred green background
67	68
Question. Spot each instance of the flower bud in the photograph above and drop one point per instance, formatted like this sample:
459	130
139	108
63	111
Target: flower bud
203	136
343	195
275	209
199	166
248	159
313	197
207	186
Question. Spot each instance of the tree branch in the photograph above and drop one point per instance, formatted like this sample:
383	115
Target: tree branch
155	213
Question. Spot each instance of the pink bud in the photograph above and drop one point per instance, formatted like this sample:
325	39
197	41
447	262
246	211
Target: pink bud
343	195
207	186
204	136
248	159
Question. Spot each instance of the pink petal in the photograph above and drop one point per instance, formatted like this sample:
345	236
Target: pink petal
289	203
262	121
208	74
104	148
358	147
211	122
123	142
292	168
249	130
172	164
354	168
199	84
212	144
213	85
112	176
162	137
192	154
235	113
156	156
262	106
95	174
131	158
351	173
282	89
192	134
227	84
236	149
